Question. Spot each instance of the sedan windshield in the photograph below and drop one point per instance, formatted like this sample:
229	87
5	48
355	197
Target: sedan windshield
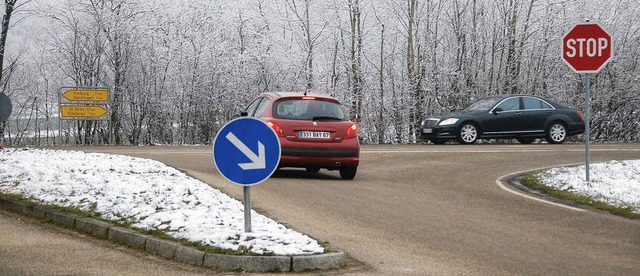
483	104
305	109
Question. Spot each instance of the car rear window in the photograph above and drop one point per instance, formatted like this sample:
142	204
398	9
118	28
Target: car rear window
308	109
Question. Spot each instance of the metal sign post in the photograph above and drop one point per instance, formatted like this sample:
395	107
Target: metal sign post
587	48
246	151
587	137
247	208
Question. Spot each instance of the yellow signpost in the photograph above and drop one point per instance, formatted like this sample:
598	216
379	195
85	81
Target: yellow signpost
87	95
82	111
84	104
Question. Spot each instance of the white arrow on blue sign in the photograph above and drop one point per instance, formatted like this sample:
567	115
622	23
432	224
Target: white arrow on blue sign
246	151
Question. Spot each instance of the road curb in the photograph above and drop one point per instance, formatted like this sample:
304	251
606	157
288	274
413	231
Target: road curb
174	250
160	247
248	263
320	262
127	236
93	227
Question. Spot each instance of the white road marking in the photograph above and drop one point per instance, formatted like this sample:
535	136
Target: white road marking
503	187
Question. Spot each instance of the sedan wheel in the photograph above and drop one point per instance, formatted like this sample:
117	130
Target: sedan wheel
468	133
556	133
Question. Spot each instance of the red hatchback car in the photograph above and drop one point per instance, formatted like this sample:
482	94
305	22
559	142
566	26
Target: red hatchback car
314	131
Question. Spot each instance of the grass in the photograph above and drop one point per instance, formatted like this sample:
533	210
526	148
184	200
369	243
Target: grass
533	181
91	213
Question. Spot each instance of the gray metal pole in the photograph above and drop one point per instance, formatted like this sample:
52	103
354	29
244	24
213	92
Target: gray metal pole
587	137
247	209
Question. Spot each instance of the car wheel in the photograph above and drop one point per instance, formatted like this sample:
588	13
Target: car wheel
438	141
348	173
556	133
468	133
313	169
525	140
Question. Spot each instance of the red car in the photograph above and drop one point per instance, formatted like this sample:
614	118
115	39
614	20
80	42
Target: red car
314	131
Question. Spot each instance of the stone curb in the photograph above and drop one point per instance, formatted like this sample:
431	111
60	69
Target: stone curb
248	263
318	262
127	236
174	250
189	255
160	247
93	227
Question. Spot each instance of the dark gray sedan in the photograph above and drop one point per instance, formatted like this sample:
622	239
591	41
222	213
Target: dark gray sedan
521	117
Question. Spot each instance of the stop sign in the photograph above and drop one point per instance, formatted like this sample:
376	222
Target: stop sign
586	48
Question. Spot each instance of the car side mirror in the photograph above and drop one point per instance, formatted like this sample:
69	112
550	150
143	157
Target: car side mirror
497	110
242	114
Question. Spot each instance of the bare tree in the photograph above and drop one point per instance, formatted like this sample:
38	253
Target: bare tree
9	6
355	58
179	69
302	14
414	67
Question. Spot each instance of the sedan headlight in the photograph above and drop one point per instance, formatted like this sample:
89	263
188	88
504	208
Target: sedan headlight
449	121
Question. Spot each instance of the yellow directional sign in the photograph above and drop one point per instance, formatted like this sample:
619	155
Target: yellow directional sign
83	111
87	95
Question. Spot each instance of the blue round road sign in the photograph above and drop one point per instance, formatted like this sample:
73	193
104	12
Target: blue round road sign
246	151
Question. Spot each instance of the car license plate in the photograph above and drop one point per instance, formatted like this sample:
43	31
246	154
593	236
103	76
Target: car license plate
314	134
427	130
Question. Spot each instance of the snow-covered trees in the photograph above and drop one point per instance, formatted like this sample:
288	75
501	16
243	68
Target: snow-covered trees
178	70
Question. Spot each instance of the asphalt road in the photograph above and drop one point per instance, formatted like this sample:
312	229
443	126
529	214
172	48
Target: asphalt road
28	247
426	209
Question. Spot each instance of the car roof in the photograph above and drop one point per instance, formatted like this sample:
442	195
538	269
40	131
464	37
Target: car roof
504	96
298	94
515	95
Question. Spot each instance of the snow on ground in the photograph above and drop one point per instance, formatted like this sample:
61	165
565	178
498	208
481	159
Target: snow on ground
147	194
613	182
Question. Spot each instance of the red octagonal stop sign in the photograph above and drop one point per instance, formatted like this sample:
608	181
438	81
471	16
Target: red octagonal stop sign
587	48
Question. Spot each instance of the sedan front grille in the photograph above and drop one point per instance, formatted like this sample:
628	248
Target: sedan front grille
431	122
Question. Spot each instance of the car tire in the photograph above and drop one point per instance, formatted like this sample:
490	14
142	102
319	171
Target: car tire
348	173
313	169
468	133
556	133
525	140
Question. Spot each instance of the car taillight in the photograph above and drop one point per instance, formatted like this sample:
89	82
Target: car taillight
276	128
352	132
581	115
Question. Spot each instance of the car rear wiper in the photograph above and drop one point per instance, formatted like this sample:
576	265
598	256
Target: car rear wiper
326	118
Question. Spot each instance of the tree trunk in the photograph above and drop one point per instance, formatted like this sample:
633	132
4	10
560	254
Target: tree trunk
356	60
8	11
511	87
413	70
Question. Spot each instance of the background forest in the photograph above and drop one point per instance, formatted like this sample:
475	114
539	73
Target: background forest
179	69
